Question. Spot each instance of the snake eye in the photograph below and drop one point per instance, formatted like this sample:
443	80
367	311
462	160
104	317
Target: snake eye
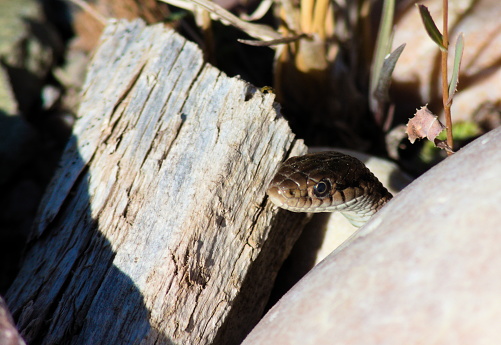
322	188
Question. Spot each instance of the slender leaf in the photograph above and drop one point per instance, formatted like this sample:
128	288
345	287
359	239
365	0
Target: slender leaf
458	54
383	46
381	92
430	27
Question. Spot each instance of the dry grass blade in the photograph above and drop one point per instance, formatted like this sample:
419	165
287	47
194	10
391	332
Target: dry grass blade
261	10
259	31
290	16
383	46
283	40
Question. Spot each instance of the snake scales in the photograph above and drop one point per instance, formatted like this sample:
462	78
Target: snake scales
327	182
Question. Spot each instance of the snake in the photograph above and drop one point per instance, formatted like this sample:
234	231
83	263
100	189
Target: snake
327	182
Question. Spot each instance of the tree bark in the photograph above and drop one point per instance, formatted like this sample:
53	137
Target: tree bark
156	227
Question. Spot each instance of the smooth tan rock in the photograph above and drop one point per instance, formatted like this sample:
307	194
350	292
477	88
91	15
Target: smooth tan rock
425	270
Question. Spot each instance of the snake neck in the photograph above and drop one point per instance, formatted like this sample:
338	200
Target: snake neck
366	208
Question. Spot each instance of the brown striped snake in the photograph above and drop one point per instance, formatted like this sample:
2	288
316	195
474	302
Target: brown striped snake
327	182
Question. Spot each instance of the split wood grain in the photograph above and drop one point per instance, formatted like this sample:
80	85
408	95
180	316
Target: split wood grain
156	227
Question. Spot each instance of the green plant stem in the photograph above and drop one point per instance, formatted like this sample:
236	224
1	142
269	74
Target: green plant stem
445	86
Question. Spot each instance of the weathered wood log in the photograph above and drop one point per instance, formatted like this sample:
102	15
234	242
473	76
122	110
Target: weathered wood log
156	227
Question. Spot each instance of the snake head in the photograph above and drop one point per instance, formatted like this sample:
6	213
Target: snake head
327	182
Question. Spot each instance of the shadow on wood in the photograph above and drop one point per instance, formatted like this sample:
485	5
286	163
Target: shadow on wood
63	294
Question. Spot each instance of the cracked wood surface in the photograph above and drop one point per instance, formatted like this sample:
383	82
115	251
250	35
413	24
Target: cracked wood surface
156	227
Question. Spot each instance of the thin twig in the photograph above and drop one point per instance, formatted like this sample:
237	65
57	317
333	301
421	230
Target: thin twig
260	11
445	86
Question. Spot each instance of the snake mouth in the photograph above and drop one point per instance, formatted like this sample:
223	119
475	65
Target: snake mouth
285	198
299	200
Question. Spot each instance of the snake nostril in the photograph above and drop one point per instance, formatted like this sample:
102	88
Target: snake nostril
288	193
